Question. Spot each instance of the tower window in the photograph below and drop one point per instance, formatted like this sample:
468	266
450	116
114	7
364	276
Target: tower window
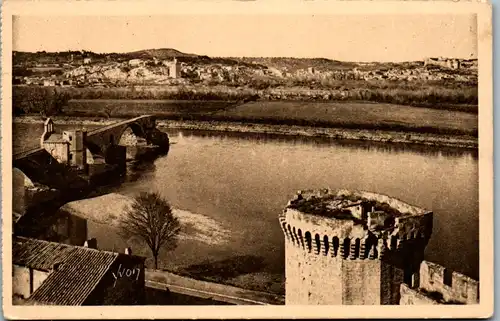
309	241
70	156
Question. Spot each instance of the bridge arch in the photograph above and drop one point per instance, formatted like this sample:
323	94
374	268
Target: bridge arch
19	178
20	181
132	128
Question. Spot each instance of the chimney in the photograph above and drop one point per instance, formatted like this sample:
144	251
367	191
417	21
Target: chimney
128	251
91	243
56	266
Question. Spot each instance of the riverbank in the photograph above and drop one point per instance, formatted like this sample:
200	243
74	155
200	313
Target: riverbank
394	136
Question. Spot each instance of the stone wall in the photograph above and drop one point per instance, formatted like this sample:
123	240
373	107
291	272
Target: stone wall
339	261
25	280
361	282
324	279
321	269
311	278
437	285
21	279
454	287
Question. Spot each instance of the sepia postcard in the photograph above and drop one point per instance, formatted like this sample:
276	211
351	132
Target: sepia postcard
247	159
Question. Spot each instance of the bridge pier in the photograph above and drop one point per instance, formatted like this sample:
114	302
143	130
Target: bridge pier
116	155
160	139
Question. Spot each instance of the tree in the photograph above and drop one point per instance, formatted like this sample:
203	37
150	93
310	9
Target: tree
42	100
150	219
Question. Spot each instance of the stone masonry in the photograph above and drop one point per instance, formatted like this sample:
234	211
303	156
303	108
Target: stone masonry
351	247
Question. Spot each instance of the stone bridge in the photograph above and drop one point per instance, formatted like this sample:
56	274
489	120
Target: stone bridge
99	140
41	166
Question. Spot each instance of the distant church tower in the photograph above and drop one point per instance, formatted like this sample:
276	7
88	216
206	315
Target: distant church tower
351	248
48	129
175	69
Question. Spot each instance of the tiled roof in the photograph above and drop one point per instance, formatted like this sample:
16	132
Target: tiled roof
80	269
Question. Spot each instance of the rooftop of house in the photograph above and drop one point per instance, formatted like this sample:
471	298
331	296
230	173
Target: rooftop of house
56	138
339	205
74	271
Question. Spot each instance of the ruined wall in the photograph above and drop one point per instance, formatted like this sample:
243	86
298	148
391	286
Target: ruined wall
413	226
67	228
445	63
453	286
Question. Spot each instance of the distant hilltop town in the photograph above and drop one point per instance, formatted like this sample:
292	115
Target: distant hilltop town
171	67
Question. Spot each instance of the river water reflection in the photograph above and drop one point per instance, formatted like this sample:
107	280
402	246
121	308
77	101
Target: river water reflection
244	181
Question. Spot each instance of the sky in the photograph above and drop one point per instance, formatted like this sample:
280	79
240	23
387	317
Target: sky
403	37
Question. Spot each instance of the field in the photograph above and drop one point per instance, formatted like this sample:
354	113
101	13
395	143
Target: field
352	115
357	115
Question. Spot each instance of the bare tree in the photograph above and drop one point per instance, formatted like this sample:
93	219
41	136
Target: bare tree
150	219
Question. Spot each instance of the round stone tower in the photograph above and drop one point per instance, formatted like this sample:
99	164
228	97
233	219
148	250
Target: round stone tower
351	247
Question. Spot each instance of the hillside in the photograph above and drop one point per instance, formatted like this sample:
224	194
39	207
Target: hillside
434	82
163	53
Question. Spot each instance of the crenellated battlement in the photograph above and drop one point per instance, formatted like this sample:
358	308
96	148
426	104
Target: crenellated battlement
450	286
363	248
353	225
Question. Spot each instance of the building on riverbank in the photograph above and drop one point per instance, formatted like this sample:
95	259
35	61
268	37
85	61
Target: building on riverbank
361	248
49	273
67	148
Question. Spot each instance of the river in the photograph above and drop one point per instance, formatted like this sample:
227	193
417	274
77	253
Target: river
244	181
